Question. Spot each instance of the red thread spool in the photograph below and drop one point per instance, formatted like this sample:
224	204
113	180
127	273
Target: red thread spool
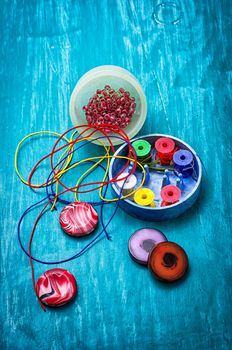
165	148
170	194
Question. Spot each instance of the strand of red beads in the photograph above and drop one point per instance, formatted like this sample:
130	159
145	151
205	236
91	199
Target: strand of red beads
109	106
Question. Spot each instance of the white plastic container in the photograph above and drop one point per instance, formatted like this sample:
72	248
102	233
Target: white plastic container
116	77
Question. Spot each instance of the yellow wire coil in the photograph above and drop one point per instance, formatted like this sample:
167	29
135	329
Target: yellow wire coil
69	167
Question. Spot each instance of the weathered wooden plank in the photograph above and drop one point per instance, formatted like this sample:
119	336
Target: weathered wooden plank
185	70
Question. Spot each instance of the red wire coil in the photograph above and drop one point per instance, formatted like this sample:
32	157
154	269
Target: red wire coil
96	128
131	154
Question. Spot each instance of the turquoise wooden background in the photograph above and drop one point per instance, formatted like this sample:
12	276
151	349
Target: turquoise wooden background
185	70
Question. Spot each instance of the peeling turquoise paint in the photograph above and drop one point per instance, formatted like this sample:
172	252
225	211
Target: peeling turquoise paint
185	70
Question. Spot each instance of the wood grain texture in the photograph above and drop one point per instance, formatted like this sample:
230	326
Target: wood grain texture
186	72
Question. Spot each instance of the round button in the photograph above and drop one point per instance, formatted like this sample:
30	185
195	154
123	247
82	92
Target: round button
78	219
168	261
142	242
56	287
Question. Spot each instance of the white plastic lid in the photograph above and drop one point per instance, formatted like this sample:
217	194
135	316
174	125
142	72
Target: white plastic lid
116	77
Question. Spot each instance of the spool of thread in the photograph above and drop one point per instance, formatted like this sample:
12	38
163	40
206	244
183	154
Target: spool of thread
170	194
142	150
168	261
145	197
127	185
183	162
165	147
142	242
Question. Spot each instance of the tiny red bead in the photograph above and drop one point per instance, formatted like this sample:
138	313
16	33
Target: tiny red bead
114	96
112	120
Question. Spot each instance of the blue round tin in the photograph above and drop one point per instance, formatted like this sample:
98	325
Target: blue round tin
190	186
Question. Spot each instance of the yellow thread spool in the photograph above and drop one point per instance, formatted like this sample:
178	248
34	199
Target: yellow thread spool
145	197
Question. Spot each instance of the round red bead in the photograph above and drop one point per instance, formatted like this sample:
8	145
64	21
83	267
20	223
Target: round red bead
56	287
78	219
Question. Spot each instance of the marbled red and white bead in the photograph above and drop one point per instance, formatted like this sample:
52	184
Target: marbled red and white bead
78	219
56	287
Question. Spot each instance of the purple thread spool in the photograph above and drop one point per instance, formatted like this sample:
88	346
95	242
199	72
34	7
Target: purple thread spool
142	242
183	162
